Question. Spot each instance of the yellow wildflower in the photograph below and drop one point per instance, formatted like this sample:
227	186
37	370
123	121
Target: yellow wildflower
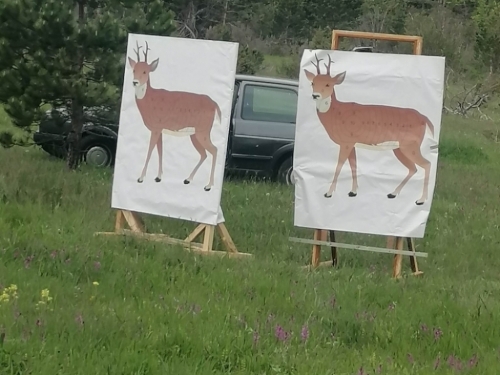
4	297
95	283
46	296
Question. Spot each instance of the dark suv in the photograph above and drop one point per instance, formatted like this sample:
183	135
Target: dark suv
261	133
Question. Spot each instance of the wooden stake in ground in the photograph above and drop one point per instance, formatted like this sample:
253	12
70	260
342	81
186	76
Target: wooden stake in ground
137	229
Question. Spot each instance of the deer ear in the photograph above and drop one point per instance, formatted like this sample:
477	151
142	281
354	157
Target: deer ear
132	63
154	65
339	78
310	76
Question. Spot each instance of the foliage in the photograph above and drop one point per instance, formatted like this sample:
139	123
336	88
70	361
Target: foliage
487	19
68	55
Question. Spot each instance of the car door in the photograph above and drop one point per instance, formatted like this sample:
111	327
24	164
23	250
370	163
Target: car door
264	119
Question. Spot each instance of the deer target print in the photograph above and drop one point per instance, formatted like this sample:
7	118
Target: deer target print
177	97
378	115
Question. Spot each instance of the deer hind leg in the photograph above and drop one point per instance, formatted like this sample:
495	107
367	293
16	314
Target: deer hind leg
209	146
344	153
412	169
354	173
152	142
159	148
203	155
412	152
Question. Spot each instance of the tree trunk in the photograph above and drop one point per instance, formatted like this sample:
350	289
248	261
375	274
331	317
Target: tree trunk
74	157
75	134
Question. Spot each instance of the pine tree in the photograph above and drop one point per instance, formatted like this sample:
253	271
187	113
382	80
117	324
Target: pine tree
69	55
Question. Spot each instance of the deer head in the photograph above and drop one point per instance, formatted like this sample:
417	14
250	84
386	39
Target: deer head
141	70
323	84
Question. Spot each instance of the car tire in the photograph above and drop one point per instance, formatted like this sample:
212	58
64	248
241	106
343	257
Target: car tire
96	153
285	172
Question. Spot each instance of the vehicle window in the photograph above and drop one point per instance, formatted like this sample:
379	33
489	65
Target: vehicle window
272	104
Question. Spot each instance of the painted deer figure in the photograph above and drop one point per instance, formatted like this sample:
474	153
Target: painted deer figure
176	113
376	127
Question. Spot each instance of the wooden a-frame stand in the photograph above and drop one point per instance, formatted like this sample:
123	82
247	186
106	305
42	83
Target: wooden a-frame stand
394	244
137	229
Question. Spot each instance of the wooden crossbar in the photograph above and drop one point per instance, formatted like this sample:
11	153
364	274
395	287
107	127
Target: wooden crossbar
358	247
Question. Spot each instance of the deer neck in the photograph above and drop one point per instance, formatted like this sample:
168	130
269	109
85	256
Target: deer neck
324	105
140	90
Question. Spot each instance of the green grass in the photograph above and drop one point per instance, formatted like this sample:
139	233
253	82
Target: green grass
160	310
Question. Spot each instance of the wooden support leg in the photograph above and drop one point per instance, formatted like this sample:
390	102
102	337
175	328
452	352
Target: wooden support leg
316	250
398	259
226	238
333	249
413	259
208	238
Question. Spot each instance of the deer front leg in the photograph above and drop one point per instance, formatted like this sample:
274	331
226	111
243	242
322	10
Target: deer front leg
152	142
159	148
354	173
344	152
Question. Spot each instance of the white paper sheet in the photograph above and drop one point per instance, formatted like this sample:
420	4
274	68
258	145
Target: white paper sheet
199	76
377	136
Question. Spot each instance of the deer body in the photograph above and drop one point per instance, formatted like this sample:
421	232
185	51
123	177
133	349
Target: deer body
375	127
176	113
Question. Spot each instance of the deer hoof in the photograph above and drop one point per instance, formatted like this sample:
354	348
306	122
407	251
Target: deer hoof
419	203
140	179
186	182
352	194
157	179
328	195
207	188
391	196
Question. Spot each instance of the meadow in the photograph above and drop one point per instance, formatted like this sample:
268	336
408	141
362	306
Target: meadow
73	303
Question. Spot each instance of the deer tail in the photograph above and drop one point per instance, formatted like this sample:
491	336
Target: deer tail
430	125
218	117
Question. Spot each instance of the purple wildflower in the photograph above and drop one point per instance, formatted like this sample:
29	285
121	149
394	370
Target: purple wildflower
28	260
379	369
280	333
437	333
392	306
410	359
97	266
437	362
53	254
79	319
304	333
473	361
424	328
255	337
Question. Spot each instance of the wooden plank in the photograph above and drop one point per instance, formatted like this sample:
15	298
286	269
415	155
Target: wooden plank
398	258
226	238
379	36
189	246
195	233
358	247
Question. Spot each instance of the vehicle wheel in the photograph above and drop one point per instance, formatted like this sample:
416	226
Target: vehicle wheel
285	172
95	152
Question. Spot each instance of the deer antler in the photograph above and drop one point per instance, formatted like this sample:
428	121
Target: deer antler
330	62
317	63
146	53
137	51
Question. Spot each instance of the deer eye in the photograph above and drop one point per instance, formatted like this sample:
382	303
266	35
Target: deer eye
327	85
144	72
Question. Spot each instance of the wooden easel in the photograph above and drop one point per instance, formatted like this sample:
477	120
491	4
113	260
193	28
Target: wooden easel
394	244
137	229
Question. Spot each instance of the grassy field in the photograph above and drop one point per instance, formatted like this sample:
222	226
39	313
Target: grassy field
72	303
